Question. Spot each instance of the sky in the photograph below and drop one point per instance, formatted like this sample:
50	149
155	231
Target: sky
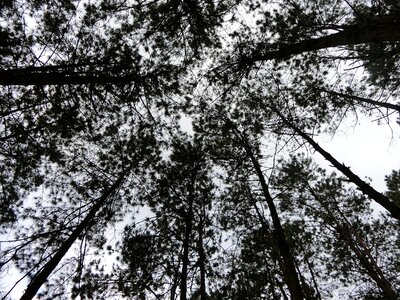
369	149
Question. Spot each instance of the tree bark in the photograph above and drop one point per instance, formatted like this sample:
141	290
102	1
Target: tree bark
186	241
175	284
41	277
288	266
364	100
364	256
313	277
202	258
362	185
380	30
358	246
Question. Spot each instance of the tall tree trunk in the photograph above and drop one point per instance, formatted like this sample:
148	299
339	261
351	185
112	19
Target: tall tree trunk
368	263
384	28
40	278
318	294
175	283
358	246
186	241
70	74
288	266
275	253
362	185
380	30
364	100
283	292
202	257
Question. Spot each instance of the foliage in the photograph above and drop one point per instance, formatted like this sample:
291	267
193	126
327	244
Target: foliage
104	193
393	185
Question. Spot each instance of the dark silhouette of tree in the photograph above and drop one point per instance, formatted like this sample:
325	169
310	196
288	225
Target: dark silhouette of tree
94	96
322	197
363	186
167	252
40	278
393	184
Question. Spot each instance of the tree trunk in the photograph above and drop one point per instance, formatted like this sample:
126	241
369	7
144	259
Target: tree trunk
40	278
27	77
362	185
275	253
372	269
364	100
202	258
175	283
288	267
186	241
318	294
381	30
359	248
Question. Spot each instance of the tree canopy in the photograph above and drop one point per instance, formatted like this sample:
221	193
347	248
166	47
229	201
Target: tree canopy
165	149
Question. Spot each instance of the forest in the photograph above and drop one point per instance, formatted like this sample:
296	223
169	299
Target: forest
169	149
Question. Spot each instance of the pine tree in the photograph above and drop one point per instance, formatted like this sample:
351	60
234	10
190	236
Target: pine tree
91	97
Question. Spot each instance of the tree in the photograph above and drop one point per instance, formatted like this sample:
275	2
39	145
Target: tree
180	194
392	182
46	270
321	197
364	187
93	98
180	234
234	137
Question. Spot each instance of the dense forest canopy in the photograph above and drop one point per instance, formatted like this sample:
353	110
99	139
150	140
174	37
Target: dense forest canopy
105	195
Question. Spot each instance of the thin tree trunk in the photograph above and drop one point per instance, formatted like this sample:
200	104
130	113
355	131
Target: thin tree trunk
364	100
380	30
288	267
313	279
306	289
70	74
41	277
275	255
371	267
288	270
202	259
175	284
360	249
283	292
5	113
362	185
186	241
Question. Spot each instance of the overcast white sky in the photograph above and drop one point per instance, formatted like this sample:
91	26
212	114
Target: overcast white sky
370	149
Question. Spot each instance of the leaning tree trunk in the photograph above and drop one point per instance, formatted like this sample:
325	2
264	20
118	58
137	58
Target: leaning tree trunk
40	278
27	77
275	253
72	74
362	185
358	246
288	266
368	263
363	100
382	29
